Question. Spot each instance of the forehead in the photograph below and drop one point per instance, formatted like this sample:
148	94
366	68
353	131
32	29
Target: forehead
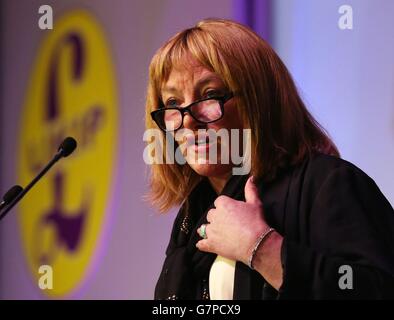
189	73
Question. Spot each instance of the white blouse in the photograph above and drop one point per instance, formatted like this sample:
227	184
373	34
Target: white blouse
221	279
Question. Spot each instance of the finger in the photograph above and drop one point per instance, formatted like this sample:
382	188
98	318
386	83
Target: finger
251	192
203	245
219	201
210	215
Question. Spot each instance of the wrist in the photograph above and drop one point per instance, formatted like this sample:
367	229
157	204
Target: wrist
267	260
259	242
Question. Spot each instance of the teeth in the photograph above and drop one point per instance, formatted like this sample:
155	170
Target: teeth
198	140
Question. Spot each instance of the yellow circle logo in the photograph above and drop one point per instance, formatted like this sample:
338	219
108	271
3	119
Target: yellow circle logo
71	92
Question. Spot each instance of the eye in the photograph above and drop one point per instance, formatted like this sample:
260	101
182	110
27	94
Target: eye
212	94
171	103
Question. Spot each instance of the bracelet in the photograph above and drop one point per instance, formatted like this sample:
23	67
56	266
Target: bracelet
257	245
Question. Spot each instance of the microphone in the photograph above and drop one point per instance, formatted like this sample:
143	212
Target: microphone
65	149
10	195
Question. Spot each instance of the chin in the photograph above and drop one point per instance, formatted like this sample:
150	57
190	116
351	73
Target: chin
211	170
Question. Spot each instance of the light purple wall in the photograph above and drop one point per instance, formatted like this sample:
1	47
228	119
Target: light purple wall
346	77
135	245
256	14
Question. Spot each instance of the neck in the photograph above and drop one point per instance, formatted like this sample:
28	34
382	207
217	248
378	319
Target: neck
218	183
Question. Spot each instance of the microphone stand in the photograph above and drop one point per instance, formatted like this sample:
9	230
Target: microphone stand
32	183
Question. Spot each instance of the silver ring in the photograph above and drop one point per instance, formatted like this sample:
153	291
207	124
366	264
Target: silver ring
202	232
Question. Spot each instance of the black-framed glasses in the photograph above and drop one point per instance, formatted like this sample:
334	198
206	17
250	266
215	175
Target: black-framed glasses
206	110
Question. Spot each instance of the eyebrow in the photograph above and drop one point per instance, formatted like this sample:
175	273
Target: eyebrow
200	83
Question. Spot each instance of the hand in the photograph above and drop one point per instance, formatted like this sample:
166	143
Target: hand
234	226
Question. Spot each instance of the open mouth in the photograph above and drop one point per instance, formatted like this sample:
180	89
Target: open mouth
198	140
201	141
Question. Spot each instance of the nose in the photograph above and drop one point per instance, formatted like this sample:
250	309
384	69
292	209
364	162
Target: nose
190	123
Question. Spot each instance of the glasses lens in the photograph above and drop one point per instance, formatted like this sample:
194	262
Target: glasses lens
169	119
207	111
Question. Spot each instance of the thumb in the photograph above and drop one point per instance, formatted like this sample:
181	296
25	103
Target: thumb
251	192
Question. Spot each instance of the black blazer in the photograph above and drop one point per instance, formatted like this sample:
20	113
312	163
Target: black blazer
330	213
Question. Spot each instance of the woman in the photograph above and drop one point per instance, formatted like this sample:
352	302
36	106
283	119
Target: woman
302	224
